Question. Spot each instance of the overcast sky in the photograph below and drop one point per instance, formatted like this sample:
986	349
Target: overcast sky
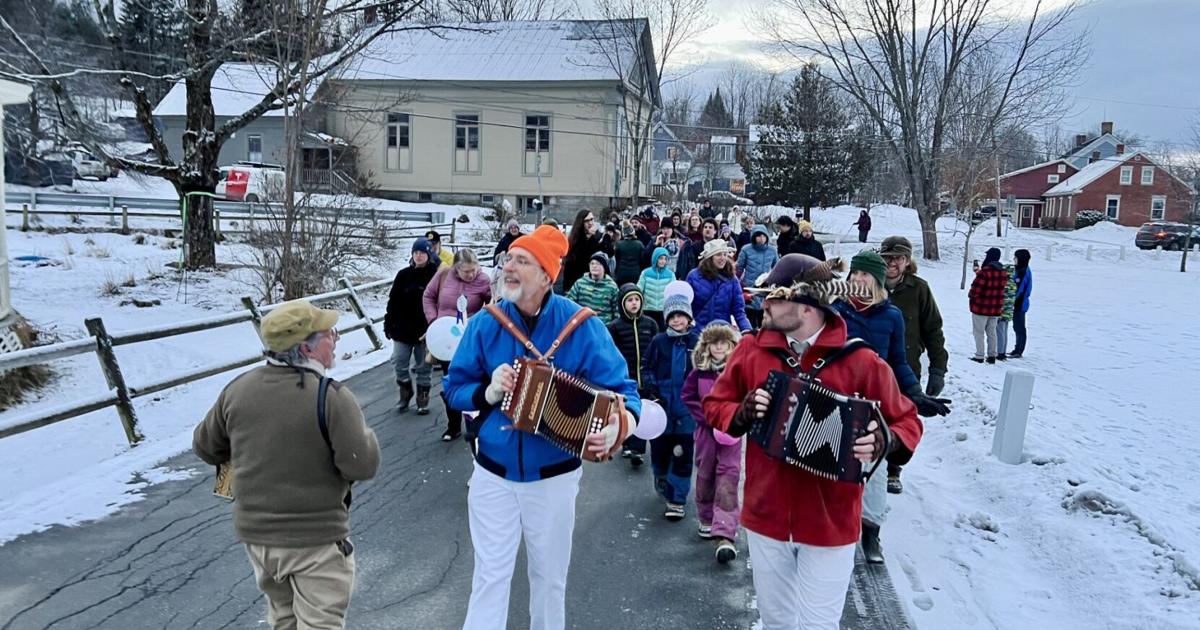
1143	71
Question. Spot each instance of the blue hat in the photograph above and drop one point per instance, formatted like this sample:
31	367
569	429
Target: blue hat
423	245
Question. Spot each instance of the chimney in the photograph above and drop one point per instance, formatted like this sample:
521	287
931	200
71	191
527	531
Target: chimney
1106	127
1120	149
1080	140
1095	157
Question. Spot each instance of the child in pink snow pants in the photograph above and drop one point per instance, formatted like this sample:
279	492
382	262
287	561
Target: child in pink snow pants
718	455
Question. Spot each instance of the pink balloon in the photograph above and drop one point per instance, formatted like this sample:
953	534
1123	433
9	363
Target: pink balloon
725	439
652	422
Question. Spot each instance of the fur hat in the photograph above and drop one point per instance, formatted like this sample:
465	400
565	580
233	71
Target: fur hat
677	304
712	333
802	278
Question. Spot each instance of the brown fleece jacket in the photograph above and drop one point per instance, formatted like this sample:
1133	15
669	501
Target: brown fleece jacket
289	487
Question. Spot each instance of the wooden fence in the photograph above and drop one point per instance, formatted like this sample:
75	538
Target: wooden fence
121	394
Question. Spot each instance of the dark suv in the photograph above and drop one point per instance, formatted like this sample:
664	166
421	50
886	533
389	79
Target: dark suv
1173	236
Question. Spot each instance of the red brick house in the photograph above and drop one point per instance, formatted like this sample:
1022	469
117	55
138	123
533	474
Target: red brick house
1029	185
1129	189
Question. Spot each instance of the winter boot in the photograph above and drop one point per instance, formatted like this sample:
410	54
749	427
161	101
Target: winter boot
422	400
406	394
726	552
1001	357
991	360
894	486
453	425
872	550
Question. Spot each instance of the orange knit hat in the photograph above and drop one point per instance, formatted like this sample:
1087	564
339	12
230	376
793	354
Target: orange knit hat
548	246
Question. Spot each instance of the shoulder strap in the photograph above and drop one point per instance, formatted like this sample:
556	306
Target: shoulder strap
512	329
578	318
793	361
323	423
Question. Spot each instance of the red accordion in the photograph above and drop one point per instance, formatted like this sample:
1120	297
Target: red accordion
562	408
813	427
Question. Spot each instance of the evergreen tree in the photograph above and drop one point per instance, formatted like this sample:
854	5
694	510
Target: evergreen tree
821	156
715	116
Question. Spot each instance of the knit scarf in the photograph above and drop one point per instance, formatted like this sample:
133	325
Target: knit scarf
671	332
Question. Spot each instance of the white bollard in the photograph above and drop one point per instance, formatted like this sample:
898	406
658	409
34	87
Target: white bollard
1009	443
1122	252
1049	252
1089	254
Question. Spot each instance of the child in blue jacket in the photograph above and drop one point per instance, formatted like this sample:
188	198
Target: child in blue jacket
666	366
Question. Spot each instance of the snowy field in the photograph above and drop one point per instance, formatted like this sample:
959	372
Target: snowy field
1097	528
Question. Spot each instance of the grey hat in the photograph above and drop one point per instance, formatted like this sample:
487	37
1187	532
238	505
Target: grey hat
896	246
677	304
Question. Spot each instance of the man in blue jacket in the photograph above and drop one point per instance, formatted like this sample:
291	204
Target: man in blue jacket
522	485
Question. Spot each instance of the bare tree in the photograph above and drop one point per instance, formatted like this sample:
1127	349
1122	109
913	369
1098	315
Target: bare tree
901	60
496	10
629	29
738	81
1192	161
210	38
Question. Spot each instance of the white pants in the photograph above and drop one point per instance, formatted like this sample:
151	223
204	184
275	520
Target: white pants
800	586
503	511
875	496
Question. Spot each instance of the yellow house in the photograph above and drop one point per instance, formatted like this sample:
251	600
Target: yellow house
498	111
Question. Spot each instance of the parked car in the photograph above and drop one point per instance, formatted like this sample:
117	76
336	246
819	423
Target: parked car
251	182
1173	236
88	165
52	169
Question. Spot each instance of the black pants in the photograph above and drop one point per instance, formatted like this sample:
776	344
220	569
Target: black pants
862	235
1018	323
453	418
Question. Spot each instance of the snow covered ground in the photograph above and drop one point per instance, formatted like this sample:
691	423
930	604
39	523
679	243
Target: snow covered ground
1096	528
83	468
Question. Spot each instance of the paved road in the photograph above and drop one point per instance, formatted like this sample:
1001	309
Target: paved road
171	561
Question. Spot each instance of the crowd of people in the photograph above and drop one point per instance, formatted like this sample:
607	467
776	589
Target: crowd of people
703	355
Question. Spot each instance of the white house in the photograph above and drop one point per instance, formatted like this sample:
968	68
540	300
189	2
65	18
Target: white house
11	93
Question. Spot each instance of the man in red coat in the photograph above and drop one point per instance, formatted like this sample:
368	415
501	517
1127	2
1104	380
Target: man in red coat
802	528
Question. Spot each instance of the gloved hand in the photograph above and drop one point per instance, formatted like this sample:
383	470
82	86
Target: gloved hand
937	382
754	406
504	380
928	406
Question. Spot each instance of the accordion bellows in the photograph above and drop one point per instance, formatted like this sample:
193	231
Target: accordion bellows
814	428
558	406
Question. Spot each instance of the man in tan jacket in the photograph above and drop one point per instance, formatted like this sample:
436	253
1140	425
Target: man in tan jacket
292	467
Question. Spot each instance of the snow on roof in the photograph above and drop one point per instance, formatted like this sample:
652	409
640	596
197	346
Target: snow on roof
723	140
1035	167
1089	174
558	50
236	87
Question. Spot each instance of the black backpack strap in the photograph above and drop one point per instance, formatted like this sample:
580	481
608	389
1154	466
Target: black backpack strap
793	361
847	348
323	423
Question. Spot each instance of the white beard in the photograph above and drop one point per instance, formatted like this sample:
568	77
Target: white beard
510	295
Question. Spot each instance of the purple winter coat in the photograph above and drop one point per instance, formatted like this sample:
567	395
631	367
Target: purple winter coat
695	387
717	300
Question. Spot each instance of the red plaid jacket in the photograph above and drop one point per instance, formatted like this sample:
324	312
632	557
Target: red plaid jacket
987	292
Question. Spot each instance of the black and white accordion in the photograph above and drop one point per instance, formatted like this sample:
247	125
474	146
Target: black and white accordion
813	427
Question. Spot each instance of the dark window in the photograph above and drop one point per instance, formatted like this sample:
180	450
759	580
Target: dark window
466	131
537	133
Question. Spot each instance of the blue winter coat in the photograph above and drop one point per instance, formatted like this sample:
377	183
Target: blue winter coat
588	353
1024	290
717	299
755	260
882	326
665	368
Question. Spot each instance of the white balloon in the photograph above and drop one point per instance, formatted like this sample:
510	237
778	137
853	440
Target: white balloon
443	337
679	287
652	422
